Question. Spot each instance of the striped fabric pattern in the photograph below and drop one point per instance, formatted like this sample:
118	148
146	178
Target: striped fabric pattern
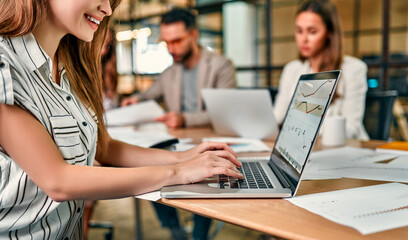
26	212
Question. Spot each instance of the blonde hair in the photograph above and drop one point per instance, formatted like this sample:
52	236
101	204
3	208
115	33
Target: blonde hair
81	60
333	51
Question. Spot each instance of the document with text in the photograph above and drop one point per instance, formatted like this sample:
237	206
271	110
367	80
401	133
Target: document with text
366	209
133	114
139	137
353	162
241	144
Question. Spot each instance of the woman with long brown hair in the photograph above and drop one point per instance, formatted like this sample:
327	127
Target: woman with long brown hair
319	40
52	129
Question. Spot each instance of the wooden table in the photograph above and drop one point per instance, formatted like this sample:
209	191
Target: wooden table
278	217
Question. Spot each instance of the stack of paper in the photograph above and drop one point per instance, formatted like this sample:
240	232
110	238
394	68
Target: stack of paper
367	209
357	163
150	196
138	138
242	144
137	113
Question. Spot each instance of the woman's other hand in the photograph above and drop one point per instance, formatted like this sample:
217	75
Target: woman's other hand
208	163
208	146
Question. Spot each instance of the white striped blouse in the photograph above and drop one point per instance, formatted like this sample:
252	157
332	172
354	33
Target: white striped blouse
26	212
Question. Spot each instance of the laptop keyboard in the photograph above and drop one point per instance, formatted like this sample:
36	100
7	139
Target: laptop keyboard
254	178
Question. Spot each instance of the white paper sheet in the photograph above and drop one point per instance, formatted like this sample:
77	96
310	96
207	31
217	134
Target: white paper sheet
393	151
138	138
373	171
133	114
152	127
330	164
367	209
350	154
242	144
151	196
183	147
400	161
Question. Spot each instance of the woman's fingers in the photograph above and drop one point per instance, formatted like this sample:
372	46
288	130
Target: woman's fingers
208	164
208	147
212	146
221	165
227	156
227	171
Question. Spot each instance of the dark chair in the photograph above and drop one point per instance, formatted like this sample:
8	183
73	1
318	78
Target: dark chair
378	113
273	92
109	228
138	215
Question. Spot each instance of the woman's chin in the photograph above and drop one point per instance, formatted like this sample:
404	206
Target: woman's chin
305	54
86	37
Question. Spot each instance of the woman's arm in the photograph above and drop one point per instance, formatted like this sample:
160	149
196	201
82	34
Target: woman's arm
31	147
121	154
353	107
126	155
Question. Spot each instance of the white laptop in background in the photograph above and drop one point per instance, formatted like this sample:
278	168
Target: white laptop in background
280	175
241	112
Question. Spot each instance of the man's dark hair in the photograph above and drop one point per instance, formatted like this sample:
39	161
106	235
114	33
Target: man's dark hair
179	15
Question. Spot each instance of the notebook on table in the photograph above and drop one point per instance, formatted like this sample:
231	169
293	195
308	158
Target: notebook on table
280	175
241	112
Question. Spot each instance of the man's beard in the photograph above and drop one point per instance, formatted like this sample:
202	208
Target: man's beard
186	56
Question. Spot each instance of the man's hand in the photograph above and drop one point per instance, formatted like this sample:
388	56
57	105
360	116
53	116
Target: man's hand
129	101
172	120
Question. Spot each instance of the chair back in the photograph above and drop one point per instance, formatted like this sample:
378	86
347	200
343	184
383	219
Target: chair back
273	92
378	113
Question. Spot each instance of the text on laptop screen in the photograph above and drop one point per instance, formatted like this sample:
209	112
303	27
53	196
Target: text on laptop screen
302	120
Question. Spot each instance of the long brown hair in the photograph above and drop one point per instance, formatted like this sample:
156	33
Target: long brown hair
81	60
333	51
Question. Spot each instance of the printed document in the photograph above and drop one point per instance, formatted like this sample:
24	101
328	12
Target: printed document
145	111
353	163
150	196
138	138
367	209
241	144
401	161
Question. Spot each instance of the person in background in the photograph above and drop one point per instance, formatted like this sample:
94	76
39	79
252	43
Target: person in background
109	71
52	127
319	40
194	68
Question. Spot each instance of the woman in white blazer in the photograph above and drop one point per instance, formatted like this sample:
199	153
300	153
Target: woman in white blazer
319	40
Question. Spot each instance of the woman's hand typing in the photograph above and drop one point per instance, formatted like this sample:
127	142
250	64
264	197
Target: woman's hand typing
206	160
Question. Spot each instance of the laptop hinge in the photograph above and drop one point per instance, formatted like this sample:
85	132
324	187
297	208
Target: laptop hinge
285	183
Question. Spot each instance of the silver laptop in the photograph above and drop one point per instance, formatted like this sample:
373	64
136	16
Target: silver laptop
278	176
241	112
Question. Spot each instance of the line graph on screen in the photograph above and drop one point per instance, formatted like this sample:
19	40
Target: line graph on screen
309	89
307	107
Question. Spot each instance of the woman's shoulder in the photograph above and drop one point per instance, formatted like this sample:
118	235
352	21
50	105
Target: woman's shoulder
353	62
13	72
6	86
295	64
7	55
5	46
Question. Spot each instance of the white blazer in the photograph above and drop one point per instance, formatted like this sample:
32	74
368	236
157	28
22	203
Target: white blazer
352	88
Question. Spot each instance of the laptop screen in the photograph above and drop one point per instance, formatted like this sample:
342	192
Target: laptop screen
301	125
